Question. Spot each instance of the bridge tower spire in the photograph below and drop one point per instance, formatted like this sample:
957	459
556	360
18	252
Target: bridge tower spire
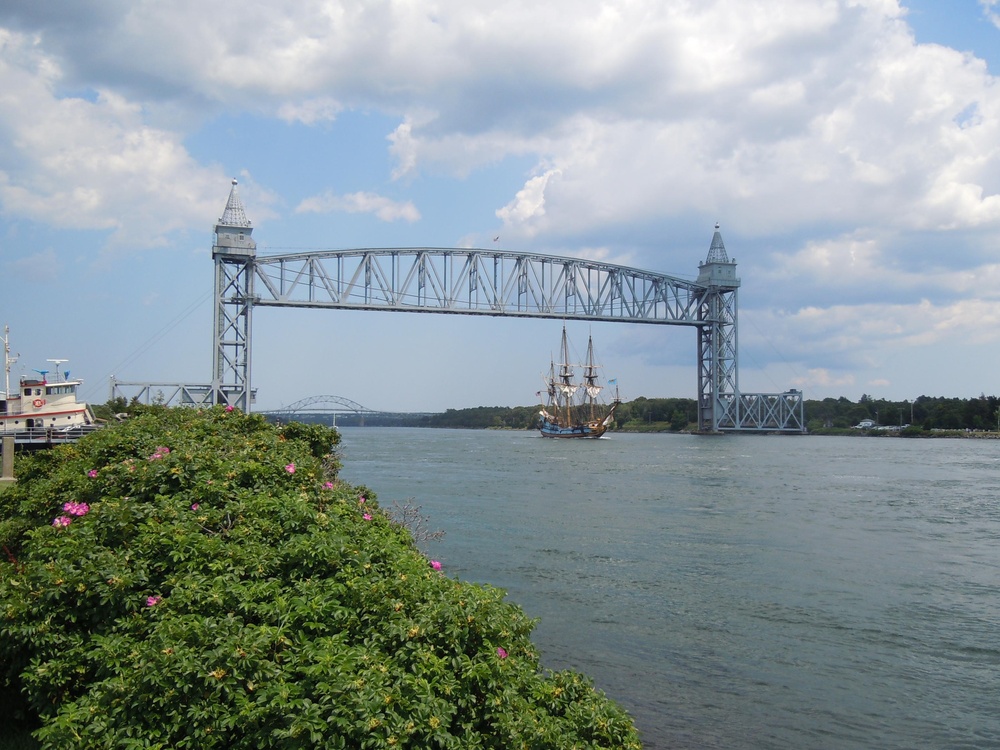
234	252
718	358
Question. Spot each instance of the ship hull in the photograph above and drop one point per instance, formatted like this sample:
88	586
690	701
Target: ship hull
582	431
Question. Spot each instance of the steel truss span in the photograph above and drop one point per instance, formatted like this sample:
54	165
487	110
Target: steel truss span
168	394
472	281
326	404
317	406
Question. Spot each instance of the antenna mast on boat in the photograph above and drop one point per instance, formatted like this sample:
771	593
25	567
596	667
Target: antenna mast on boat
7	361
58	362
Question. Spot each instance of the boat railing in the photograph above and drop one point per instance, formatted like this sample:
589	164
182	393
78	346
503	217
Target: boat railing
42	436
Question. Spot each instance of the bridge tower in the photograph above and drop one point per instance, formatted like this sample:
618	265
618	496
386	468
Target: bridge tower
718	358
234	253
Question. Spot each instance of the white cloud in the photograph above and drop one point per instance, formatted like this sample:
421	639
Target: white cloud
82	163
990	13
310	111
404	149
772	114
847	338
361	202
870	265
528	205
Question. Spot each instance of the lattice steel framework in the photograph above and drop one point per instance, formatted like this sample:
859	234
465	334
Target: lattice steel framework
718	361
721	406
771	412
318	406
718	357
473	281
172	394
325	404
487	282
234	252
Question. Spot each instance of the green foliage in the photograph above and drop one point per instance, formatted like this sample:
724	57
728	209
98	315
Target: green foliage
109	410
203	580
657	414
930	413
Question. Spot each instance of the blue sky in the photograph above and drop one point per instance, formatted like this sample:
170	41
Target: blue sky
850	150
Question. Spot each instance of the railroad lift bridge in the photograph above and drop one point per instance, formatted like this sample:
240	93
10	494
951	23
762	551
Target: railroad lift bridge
480	282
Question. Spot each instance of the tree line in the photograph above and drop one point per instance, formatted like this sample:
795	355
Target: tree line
924	413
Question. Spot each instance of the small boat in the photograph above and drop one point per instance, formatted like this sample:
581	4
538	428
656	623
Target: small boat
574	409
43	410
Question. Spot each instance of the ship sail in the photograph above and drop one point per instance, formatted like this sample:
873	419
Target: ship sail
573	408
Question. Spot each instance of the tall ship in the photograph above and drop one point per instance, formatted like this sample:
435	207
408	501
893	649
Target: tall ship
43	410
575	408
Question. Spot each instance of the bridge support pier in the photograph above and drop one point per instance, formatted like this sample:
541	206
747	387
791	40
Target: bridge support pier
718	359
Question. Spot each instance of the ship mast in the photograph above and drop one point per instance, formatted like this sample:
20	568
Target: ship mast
566	378
590	377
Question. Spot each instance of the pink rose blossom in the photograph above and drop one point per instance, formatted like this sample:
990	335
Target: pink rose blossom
152	601
62	521
195	506
92	473
290	468
436	565
501	652
361	500
76	509
328	486
229	407
161	451
367	516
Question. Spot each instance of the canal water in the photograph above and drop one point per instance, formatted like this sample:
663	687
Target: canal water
738	591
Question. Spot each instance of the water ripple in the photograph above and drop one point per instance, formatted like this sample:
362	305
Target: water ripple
743	592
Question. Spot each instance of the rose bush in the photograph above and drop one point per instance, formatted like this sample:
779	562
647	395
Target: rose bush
201	579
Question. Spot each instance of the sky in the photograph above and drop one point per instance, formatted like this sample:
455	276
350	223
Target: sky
849	149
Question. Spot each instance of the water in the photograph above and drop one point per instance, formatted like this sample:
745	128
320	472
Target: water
733	592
